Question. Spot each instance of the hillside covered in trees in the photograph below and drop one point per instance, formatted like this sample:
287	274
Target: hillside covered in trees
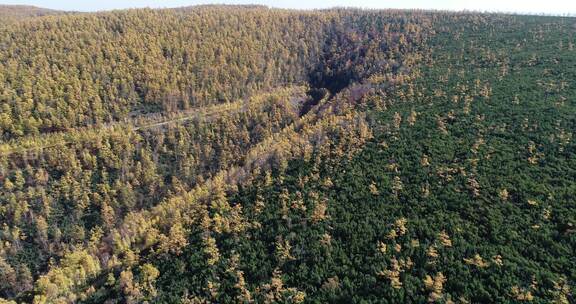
11	13
241	154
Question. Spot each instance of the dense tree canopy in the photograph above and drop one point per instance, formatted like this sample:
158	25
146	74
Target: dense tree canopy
227	154
13	13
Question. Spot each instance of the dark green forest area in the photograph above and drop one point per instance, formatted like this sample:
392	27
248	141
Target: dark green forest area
241	154
466	194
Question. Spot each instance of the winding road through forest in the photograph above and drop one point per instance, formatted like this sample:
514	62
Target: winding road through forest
70	137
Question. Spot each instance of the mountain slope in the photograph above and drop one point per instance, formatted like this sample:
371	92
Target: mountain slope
222	154
18	12
464	195
80	190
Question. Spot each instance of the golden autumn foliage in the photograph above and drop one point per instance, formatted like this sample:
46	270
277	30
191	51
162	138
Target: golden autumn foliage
211	250
435	286
275	291
521	294
444	239
319	212
374	189
497	259
382	247
283	249
393	273
503	194
477	261
59	283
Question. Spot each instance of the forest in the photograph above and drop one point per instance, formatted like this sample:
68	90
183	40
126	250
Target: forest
12	13
246	154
